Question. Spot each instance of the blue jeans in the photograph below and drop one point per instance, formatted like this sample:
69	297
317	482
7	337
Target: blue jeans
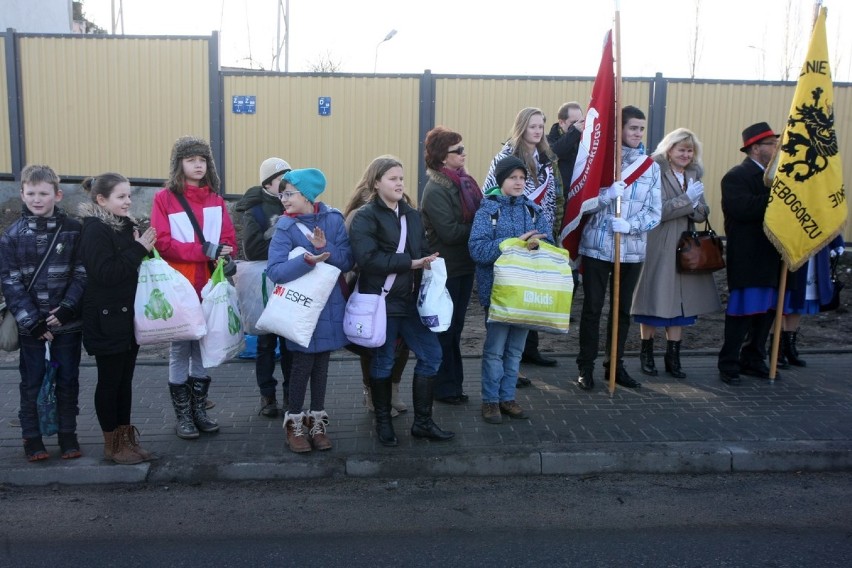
64	350
419	339
448	381
264	366
501	358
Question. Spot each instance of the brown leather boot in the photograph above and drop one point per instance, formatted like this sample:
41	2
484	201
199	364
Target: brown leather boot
122	452
296	439
317	425
108	445
132	433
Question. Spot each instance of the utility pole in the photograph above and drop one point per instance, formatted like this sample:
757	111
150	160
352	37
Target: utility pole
282	12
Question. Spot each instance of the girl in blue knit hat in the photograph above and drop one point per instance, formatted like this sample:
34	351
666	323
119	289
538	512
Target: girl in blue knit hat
321	231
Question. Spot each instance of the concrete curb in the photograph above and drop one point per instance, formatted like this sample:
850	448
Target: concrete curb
575	459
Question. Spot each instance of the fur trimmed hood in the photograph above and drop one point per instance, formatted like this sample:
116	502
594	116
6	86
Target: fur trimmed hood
116	223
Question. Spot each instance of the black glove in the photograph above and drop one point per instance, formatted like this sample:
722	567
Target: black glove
64	315
230	267
211	250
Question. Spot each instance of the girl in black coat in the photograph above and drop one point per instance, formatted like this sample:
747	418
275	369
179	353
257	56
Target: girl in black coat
374	236
112	250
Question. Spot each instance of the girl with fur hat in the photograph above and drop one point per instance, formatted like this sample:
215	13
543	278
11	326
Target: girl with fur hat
321	231
375	235
112	247
504	213
193	180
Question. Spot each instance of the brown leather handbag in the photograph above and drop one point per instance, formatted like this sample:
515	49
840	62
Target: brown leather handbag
700	252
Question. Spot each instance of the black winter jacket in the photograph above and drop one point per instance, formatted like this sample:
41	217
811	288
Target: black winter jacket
752	260
374	237
256	206
112	257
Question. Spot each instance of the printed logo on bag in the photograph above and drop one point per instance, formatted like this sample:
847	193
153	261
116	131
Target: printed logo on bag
158	307
143	278
234	325
539	298
293	296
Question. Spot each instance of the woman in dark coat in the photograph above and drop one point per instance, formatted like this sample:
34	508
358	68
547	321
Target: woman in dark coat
449	203
112	249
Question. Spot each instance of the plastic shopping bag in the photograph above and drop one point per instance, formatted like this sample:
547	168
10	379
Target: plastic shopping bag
253	291
167	307
295	307
48	421
434	303
532	288
224	338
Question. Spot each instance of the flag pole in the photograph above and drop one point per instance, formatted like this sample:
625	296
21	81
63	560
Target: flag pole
616	269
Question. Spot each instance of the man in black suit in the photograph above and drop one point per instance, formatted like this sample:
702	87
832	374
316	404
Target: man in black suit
753	262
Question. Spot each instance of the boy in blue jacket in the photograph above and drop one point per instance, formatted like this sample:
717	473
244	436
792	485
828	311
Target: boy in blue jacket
504	213
46	305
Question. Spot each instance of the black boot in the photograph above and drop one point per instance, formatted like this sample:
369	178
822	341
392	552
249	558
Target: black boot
380	391
672	360
423	426
200	386
182	401
781	362
789	349
646	358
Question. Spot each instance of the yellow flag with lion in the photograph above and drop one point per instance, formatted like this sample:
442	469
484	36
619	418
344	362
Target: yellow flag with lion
807	202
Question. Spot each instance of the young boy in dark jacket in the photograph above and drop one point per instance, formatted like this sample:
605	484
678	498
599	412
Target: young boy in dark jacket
46	305
261	206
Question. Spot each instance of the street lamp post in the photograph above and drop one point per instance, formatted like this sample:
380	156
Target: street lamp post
376	59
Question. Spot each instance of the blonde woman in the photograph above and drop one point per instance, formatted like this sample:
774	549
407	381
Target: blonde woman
664	297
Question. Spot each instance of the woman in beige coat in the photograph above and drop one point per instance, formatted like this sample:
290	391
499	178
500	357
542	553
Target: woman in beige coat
664	297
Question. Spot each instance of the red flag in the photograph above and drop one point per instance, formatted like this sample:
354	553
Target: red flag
593	168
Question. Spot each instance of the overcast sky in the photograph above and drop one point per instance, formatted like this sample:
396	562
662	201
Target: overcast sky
737	39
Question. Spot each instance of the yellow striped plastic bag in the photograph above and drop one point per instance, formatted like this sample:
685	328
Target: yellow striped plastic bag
532	288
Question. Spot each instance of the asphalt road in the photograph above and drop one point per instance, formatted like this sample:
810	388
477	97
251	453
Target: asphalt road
776	520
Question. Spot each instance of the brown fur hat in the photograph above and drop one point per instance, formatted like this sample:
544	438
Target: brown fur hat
187	146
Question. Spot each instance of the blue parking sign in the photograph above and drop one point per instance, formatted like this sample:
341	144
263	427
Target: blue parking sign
324	106
244	104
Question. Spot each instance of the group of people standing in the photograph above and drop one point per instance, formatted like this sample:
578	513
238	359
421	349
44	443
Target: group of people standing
70	283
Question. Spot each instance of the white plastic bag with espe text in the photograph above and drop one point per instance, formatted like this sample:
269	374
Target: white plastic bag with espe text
294	307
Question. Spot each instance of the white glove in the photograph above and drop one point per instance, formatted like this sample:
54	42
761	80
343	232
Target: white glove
620	225
694	190
614	191
836	252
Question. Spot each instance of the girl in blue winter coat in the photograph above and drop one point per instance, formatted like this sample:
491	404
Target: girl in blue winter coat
321	231
504	213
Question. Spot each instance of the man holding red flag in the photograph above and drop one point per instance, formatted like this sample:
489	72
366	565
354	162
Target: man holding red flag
641	207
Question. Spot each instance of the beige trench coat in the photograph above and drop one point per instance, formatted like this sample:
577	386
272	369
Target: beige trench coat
662	291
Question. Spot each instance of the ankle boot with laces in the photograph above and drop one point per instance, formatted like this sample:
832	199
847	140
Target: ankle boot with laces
317	424
294	425
646	358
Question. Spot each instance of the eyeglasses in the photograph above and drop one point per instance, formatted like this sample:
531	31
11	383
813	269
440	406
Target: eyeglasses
768	143
459	151
287	194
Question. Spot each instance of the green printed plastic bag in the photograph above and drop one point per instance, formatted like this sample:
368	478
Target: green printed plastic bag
219	302
532	288
166	305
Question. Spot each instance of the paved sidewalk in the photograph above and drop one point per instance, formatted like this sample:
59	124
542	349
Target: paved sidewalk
803	421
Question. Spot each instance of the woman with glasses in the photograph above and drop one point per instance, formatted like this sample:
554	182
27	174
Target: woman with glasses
449	203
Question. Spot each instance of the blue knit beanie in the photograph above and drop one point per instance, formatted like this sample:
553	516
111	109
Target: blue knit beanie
310	182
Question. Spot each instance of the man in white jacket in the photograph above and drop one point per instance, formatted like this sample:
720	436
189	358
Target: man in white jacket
639	190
